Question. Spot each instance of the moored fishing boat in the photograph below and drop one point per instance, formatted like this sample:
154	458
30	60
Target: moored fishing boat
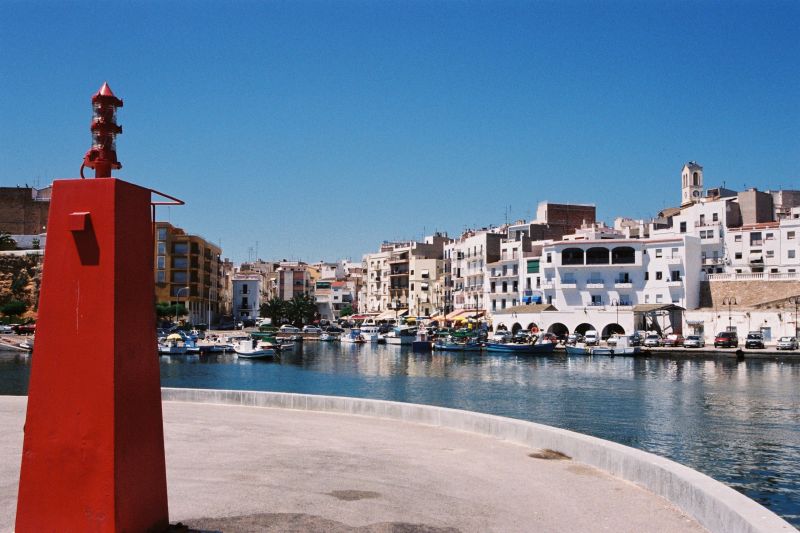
422	343
173	344
401	335
353	336
522	344
578	349
254	349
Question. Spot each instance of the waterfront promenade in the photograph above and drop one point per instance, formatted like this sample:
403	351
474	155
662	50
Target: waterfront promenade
233	468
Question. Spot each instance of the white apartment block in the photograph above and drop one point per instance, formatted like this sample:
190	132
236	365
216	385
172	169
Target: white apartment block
622	272
466	259
770	248
502	286
246	296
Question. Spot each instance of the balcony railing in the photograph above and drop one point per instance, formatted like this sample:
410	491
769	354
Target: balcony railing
754	276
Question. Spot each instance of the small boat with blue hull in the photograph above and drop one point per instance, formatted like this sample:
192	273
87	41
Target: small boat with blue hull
520	348
522	344
422	343
578	350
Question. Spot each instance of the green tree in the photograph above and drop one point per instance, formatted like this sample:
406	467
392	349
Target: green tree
165	310
346	310
301	309
14	308
274	309
6	242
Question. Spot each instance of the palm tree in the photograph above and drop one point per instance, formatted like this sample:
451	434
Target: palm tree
301	309
275	309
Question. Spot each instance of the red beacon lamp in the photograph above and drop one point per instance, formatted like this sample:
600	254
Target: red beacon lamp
102	156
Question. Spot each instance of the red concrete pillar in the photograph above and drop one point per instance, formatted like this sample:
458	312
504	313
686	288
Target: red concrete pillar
93	455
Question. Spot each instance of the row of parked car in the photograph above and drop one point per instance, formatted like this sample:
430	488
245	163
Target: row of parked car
723	339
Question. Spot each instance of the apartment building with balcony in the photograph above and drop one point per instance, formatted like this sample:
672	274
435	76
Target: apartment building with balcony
246	296
332	296
502	286
770	248
622	272
466	259
389	273
426	287
187	270
292	278
612	285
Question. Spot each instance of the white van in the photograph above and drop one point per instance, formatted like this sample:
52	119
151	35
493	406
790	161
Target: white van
591	338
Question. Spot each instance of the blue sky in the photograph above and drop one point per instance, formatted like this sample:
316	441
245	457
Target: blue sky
319	129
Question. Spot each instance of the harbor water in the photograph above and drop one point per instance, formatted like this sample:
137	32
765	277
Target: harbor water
738	422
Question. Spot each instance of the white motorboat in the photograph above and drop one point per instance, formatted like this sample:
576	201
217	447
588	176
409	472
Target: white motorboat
254	349
370	333
401	335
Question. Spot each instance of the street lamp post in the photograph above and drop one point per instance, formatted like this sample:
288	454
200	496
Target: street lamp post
730	301
178	295
795	300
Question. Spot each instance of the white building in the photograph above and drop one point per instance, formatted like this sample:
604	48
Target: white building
246	296
466	259
770	248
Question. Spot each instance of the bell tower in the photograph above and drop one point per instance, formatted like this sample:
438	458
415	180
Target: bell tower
691	183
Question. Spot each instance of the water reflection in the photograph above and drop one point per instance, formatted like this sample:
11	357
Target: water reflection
736	421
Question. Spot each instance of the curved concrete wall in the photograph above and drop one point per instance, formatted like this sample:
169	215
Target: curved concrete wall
715	505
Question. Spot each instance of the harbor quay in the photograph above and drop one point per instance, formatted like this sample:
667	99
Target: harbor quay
245	461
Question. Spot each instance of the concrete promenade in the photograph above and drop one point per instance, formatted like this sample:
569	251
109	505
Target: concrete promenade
283	470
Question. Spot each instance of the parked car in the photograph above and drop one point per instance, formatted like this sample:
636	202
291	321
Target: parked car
25	329
500	336
652	341
288	328
754	340
673	339
694	341
334	329
591	338
613	339
636	339
311	329
5	328
726	339
787	343
573	339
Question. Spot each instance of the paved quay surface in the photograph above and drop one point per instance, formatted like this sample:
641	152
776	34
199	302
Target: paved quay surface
233	468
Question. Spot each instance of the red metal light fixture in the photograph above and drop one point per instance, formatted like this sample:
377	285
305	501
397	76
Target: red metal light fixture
102	156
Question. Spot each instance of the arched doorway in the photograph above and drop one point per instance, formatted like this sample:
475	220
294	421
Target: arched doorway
515	328
583	328
558	329
612	329
532	327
